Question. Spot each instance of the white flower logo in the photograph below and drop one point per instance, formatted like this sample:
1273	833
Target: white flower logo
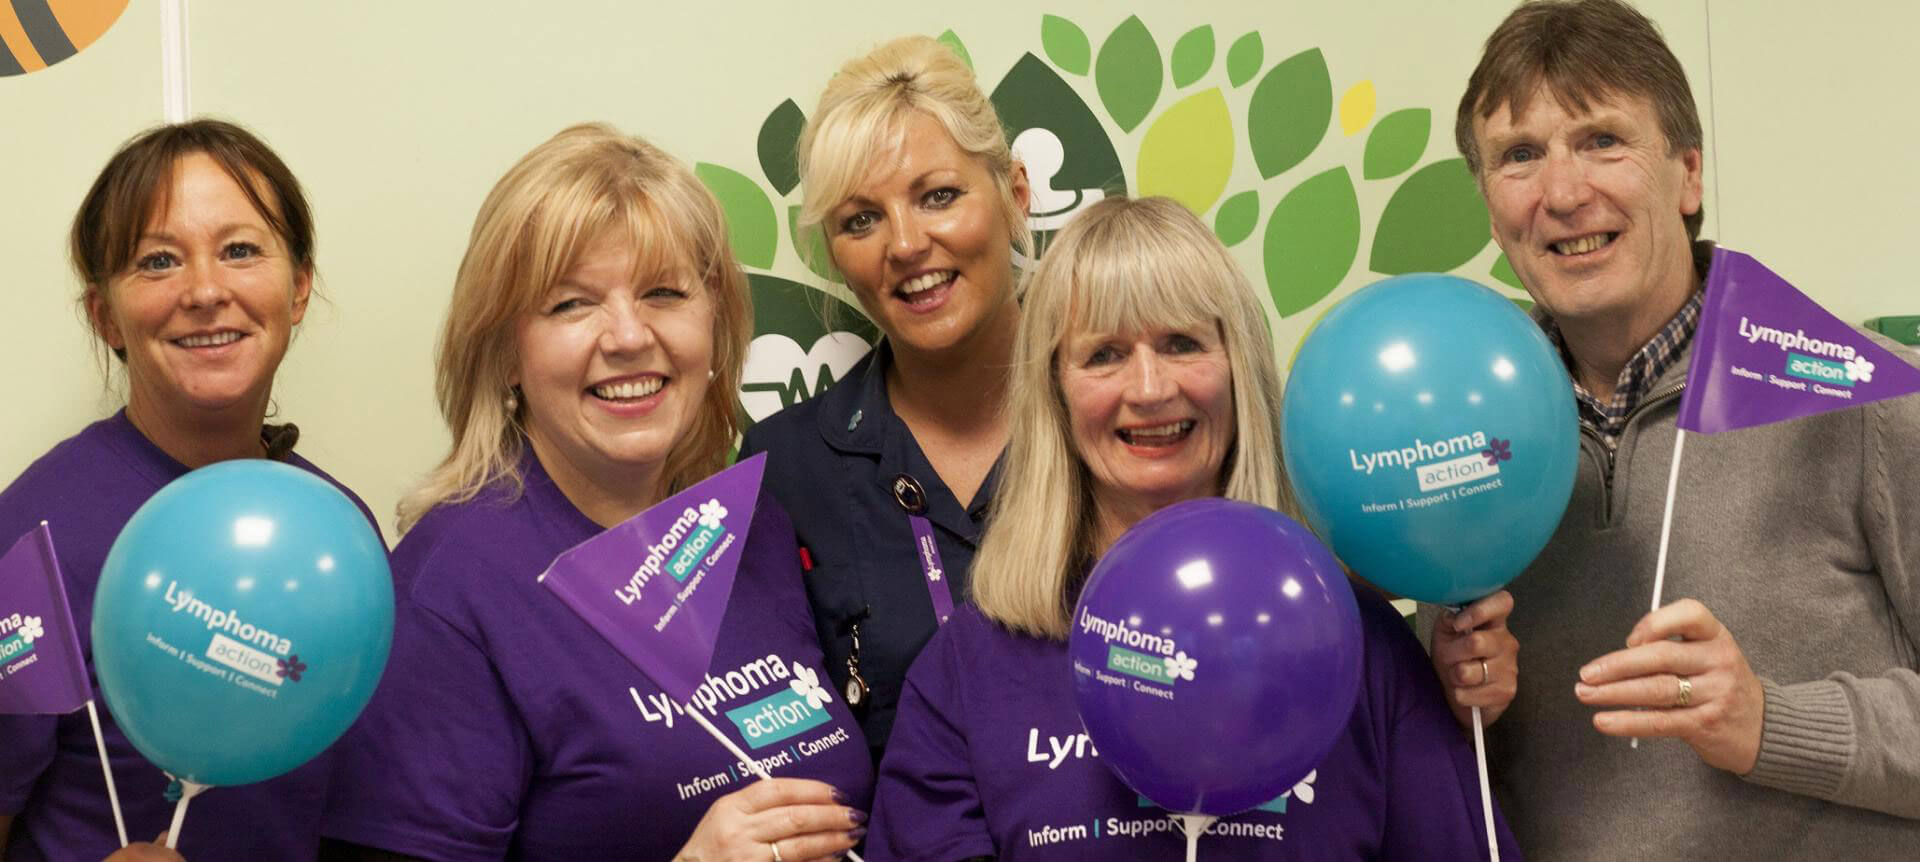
1860	369
710	514
1304	790
31	629
806	683
1181	666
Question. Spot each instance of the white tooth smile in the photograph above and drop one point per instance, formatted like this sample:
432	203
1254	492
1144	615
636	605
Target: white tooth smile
1584	244
926	282
629	389
214	340
1158	435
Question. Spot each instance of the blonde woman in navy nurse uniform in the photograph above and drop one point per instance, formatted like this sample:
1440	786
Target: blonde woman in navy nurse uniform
907	173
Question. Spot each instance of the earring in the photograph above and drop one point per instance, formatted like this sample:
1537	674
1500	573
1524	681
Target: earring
513	401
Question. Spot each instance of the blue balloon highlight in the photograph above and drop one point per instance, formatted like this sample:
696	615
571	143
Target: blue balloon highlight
1430	433
242	620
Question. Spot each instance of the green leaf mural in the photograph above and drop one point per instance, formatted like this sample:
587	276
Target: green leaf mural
804	340
1312	239
1289	113
1434	222
1396	143
1244	59
1236	218
952	40
1065	43
1033	96
779	144
1187	153
812	247
1192	55
1503	272
1128	73
751	225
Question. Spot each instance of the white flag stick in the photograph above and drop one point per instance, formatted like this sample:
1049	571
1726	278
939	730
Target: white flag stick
113	796
1486	791
174	68
188	790
1193	825
1666	527
751	764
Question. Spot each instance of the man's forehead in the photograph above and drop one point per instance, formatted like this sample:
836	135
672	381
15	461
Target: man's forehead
1545	104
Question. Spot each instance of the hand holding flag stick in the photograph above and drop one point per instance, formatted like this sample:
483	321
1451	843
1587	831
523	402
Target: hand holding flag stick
43	670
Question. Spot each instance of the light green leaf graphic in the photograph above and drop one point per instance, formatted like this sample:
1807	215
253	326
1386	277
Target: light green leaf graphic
1187	154
952	40
1312	239
1289	113
1525	304
779	144
1192	55
1503	271
1236	218
1128	73
1244	59
1433	223
1396	143
1065	43
751	225
812	246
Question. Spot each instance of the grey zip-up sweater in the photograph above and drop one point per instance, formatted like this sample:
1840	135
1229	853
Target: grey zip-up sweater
1803	538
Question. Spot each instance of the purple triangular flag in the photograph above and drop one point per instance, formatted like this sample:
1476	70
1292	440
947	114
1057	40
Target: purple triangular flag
41	668
1765	352
656	585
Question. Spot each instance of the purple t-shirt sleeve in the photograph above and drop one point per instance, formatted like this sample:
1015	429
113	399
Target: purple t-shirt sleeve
926	805
27	752
438	764
1432	782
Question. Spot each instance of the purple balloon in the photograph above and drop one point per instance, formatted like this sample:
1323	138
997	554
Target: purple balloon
1216	655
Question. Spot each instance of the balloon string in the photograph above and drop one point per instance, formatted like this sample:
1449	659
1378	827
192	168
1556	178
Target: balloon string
1193	825
188	790
1666	527
1486	792
751	765
113	795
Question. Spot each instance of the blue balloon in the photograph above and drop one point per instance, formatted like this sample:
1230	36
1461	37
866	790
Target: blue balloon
242	621
1430	433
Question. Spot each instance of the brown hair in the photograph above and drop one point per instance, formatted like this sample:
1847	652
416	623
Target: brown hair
1582	51
138	179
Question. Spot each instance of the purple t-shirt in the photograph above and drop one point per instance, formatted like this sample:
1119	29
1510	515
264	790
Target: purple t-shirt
86	488
506	727
988	758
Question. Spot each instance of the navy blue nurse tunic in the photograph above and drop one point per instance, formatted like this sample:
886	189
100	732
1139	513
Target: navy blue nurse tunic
831	462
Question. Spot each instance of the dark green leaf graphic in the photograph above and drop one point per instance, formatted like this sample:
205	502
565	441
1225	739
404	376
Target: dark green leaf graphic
779	139
952	40
803	313
1503	271
812	246
804	340
751	225
1397	142
1236	217
1525	304
1066	44
1312	239
1290	112
1192	55
1033	96
1434	222
1187	154
1128	73
1244	59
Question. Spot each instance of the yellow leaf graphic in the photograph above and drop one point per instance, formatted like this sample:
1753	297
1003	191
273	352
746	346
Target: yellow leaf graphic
1356	108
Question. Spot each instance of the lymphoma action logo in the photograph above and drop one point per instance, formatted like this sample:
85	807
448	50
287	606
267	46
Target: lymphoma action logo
1810	358
1130	117
17	634
1441	463
35	34
1144	655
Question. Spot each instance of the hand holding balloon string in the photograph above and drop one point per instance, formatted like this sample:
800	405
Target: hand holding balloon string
1478	658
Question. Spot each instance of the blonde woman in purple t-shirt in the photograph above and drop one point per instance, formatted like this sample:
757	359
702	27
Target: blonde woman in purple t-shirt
195	252
587	370
1143	375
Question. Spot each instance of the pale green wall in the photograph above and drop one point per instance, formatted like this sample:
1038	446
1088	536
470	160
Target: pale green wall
399	116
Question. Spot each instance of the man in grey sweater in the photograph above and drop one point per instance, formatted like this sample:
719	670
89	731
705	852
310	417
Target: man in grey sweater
1776	690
